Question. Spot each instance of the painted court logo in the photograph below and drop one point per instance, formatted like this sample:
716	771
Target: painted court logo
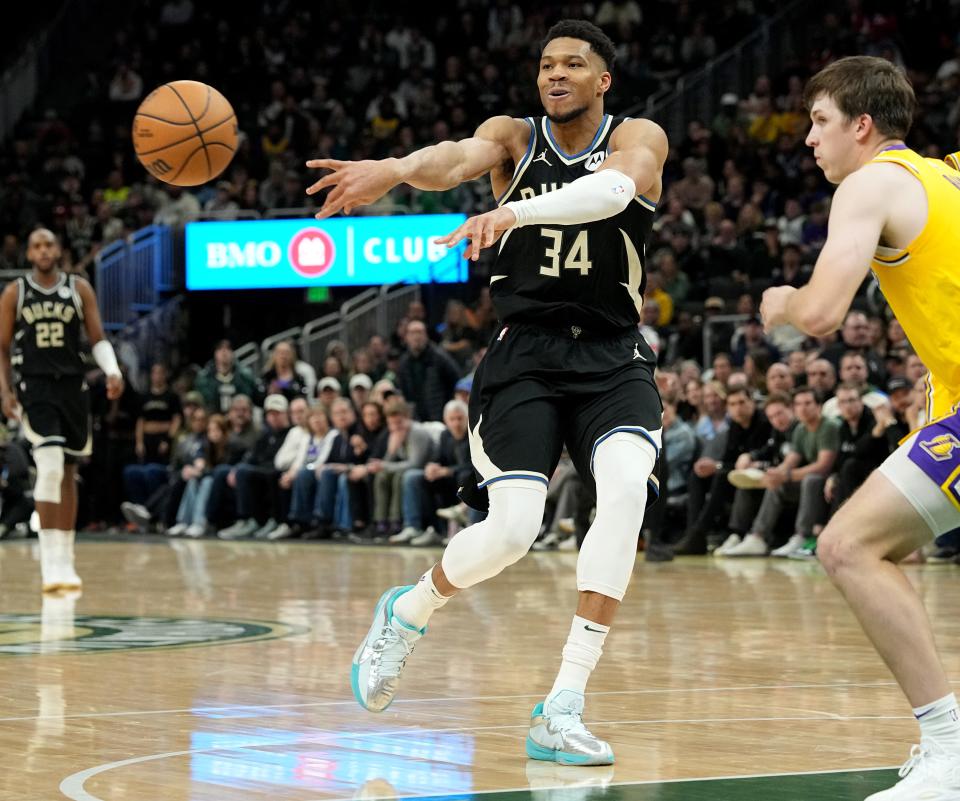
25	635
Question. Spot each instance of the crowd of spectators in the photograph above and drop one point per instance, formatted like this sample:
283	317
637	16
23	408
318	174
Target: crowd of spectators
371	444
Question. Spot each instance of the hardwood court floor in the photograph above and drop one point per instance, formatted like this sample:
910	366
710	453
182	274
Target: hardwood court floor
194	671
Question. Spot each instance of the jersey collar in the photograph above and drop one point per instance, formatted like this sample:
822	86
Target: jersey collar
567	159
47	290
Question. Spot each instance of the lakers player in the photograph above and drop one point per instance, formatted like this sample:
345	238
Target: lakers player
894	212
44	318
577	191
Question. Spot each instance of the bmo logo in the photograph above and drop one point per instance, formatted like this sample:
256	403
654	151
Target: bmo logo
247	254
312	252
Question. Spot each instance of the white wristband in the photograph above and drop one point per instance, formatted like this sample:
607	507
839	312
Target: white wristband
594	197
106	359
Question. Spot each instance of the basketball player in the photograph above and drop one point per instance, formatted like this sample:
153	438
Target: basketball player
576	192
41	317
894	212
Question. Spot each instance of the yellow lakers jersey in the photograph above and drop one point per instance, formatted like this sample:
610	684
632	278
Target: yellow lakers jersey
921	282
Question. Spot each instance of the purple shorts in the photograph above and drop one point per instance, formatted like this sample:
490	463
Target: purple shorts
936	451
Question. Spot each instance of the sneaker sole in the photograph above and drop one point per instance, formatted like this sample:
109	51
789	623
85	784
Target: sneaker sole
536	751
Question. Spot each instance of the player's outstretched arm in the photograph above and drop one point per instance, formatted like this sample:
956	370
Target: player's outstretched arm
858	215
437	167
8	317
635	166
103	353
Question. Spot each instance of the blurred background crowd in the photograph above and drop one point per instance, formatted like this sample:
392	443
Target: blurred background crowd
764	435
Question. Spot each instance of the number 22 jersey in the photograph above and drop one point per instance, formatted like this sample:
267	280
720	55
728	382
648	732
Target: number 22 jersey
589	276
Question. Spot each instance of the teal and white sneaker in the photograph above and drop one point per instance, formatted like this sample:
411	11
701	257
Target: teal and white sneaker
557	733
375	674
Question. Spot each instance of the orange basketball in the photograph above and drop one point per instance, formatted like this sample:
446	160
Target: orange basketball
185	133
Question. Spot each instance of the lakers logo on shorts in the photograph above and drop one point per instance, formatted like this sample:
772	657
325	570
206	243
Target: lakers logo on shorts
941	447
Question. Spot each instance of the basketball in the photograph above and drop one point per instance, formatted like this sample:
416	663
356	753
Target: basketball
185	133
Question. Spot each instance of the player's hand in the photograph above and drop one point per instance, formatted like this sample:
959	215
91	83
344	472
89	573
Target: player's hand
352	183
114	387
11	406
773	307
482	231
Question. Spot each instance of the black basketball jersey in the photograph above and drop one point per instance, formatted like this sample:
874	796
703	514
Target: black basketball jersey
48	337
588	276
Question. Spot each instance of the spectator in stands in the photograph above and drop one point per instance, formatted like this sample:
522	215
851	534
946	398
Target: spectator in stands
915	369
695	189
16	505
254	479
821	378
408	445
435	485
285	375
360	387
779	378
329	391
303	476
191	519
863	446
749	338
222	379
457	339
680	447
853	371
426	375
748	473
855	335
12	258
157	424
243	430
369	444
709	489
713	420
798	479
287	461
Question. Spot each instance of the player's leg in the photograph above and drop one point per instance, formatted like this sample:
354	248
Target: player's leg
43	427
898	509
515	443
78	442
615	439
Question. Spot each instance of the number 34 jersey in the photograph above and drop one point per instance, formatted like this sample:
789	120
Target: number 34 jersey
590	276
48	335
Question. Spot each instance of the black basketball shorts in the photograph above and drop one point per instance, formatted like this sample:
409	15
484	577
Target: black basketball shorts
56	411
539	389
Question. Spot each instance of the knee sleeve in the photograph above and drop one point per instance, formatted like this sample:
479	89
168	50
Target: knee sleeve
49	461
622	466
484	549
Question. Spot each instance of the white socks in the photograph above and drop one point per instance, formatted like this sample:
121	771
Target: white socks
580	655
940	722
417	604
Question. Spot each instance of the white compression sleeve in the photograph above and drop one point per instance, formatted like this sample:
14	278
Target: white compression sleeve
593	197
105	358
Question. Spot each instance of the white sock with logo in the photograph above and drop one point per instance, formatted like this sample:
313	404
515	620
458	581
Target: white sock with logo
940	722
416	605
580	655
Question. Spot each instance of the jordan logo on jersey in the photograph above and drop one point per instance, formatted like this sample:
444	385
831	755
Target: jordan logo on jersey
636	351
595	160
542	157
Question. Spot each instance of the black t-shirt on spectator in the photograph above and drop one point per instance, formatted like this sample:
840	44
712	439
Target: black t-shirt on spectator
741	440
160	407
